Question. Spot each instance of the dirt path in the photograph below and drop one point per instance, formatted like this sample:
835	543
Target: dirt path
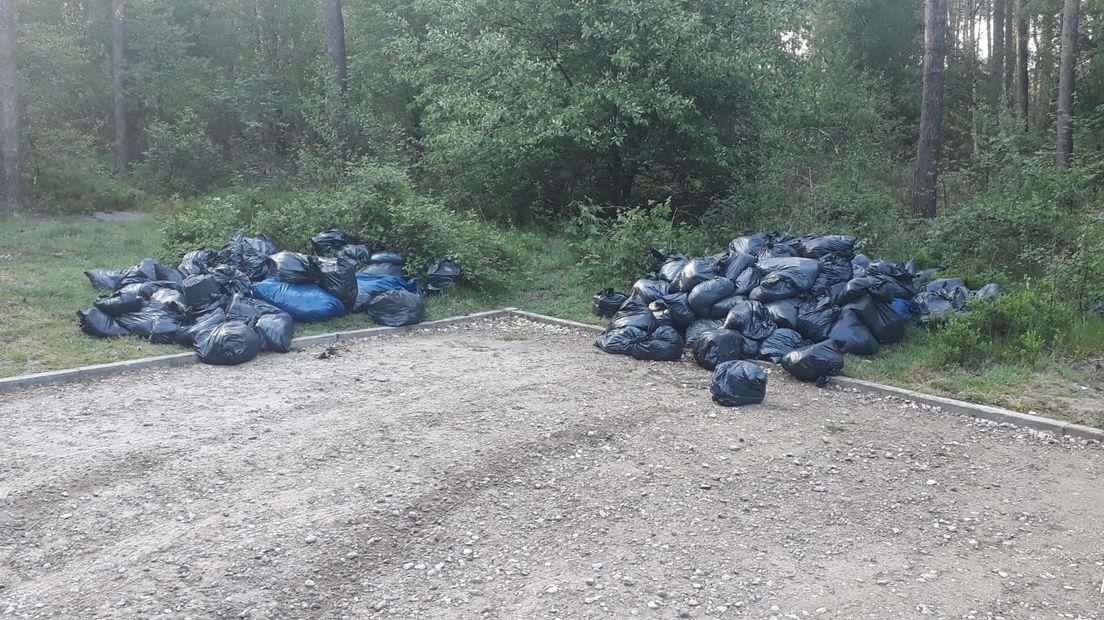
511	470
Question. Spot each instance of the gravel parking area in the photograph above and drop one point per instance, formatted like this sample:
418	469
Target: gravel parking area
507	469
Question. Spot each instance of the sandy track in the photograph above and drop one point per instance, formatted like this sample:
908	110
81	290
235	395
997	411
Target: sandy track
511	470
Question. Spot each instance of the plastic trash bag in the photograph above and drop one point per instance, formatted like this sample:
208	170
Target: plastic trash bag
699	327
752	244
747	281
663	345
202	292
606	302
368	285
940	303
197	262
275	327
397	307
852	335
720	345
834	269
230	280
119	303
621	341
361	253
696	271
294	268
784	312
98	323
780	245
737	383
229	344
247	255
704	295
891	281
330	242
879	317
818	246
784	277
105	279
944	283
385	263
859	265
201	324
815	318
168	296
670	265
304	302
442	275
736	263
649	290
676	307
155	322
721	309
778	344
987	291
337	276
856	288
634	313
750	318
815	363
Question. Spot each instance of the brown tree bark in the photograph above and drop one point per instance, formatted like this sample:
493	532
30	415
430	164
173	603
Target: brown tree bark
996	56
931	110
1009	54
335	42
11	194
1021	62
118	85
1067	82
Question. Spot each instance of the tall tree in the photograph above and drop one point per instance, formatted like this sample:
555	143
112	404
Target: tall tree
1066	82
931	108
118	84
996	56
335	42
11	199
1021	61
1009	53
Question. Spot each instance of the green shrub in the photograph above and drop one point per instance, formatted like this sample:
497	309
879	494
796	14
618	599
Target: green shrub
181	158
60	192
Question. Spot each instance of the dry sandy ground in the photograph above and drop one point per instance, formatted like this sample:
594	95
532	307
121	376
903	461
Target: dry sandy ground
512	470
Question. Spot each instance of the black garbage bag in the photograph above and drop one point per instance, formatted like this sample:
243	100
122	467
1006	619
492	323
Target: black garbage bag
98	323
750	318
859	265
398	307
892	281
814	363
696	271
989	290
158	323
752	244
663	345
443	275
230	280
144	290
607	302
834	269
197	262
675	307
737	383
944	283
721	309
248	255
119	303
735	264
106	279
704	295
941	303
361	253
784	277
198	325
852	335
670	265
622	340
887	325
385	263
260	244
815	318
662	318
699	327
635	313
818	246
650	290
203	292
229	344
856	288
721	345
784	312
747	281
780	245
144	271
168	296
778	344
275	327
329	243
294	268
337	276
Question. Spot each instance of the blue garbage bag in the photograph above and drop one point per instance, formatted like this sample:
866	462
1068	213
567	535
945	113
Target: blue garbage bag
369	284
304	302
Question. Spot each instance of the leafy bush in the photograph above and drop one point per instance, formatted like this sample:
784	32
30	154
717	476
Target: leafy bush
375	203
65	192
181	157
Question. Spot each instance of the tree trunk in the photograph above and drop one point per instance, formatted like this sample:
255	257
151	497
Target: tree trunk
335	42
11	196
996	56
118	84
931	110
1009	54
1066	82
1021	62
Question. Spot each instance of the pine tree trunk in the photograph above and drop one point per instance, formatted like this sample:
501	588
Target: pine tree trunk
1021	62
118	85
931	110
1009	54
335	42
11	196
996	56
1066	82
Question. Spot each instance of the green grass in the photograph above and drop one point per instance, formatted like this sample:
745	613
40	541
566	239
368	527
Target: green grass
42	286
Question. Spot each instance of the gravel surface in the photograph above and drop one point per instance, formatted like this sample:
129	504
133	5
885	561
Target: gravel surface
508	469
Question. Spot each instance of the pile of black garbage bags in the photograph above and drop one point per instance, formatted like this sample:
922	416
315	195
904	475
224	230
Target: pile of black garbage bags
231	304
799	301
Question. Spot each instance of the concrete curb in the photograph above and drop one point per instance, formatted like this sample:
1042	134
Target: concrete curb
184	359
983	412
